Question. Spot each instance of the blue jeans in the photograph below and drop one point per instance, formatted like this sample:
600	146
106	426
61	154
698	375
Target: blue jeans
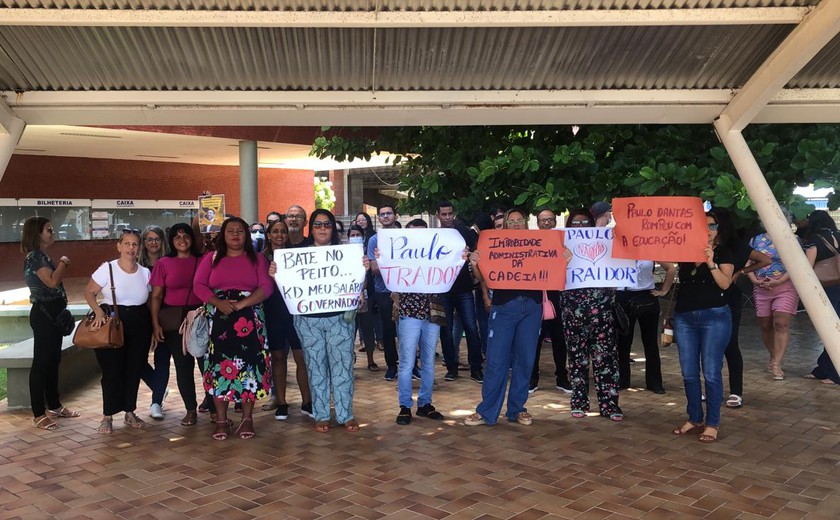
701	337
416	333
513	331
465	304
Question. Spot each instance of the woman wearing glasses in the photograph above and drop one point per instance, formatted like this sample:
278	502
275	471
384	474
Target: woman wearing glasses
513	329
327	340
702	327
589	328
153	248
121	366
233	282
46	292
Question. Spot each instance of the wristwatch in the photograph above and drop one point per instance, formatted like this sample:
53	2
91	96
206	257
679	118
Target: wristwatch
714	267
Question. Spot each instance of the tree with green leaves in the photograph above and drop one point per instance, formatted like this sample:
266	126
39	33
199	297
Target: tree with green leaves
557	167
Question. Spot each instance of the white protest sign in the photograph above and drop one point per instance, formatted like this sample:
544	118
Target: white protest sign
592	264
420	260
320	279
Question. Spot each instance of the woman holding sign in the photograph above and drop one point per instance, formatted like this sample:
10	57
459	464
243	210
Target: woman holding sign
513	329
702	327
233	282
589	328
327	340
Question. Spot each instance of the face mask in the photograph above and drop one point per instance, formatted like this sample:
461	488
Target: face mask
257	235
356	240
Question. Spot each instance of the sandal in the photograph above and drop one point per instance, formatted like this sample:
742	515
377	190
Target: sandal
687	428
132	420
106	425
246	433
222	428
734	401
322	426
707	437
616	417
45	423
352	426
373	367
778	375
63	412
578	414
190	418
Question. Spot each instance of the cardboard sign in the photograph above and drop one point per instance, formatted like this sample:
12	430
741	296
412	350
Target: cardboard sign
592	264
660	228
320	279
420	260
522	259
211	213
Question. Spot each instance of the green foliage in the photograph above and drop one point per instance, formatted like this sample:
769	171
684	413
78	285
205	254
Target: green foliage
324	194
552	166
3	387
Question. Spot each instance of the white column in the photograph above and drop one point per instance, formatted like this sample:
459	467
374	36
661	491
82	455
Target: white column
249	203
819	308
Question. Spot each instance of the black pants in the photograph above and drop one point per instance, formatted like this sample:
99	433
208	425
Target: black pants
364	321
184	370
46	356
643	307
553	329
121	366
389	328
734	360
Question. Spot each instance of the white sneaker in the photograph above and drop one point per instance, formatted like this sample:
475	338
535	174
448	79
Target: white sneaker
156	411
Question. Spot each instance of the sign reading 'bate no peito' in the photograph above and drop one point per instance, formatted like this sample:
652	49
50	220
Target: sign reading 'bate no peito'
660	228
522	259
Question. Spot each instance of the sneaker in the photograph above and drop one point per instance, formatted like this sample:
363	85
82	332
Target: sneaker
429	412
282	412
390	374
564	387
306	409
477	375
474	420
451	375
404	416
532	387
156	411
415	374
524	418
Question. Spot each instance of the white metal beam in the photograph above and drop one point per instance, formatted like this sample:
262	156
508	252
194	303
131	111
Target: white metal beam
802	44
409	108
404	19
11	128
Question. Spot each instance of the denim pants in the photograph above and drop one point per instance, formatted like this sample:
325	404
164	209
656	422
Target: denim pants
513	331
701	337
327	345
416	334
481	318
465	305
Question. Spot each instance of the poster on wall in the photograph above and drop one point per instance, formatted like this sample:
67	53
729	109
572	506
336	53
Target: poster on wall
211	213
420	260
314	280
592	264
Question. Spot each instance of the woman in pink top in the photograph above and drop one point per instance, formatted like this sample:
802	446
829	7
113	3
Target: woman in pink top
233	282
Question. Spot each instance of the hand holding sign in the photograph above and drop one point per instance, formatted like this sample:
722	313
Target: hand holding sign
660	228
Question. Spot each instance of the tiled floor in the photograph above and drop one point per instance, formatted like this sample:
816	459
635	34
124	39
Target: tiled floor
778	457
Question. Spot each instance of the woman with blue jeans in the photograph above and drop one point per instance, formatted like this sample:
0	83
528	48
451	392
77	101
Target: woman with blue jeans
702	326
512	332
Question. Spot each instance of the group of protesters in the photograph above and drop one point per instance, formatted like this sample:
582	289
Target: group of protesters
159	275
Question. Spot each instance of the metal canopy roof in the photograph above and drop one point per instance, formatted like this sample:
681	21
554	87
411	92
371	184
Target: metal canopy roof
405	62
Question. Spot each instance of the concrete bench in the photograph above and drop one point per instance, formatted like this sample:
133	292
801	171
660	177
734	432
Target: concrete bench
78	367
14	321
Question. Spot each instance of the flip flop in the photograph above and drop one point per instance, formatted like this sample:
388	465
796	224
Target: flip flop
352	426
322	426
63	412
692	428
45	423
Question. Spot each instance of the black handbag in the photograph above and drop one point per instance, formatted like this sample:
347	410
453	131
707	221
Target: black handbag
63	321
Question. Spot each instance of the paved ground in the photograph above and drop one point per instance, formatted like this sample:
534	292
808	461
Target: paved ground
778	457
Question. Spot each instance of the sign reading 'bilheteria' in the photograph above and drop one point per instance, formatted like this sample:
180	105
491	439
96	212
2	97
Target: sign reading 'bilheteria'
320	279
592	264
420	260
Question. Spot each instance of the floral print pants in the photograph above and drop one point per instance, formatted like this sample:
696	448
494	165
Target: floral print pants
589	329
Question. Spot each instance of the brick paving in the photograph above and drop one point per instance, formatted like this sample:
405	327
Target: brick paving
778	457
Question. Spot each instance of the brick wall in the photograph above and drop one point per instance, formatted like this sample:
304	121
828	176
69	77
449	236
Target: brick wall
29	176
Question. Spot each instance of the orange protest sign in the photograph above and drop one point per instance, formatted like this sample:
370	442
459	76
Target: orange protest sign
522	259
660	228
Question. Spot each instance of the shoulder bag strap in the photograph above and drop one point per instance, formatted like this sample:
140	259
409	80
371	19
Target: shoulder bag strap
113	291
828	244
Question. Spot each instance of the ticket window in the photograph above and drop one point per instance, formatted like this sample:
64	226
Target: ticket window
69	223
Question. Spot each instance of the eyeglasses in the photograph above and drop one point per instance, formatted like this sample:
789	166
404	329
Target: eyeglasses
153	240
547	220
385	213
131	231
516	222
713	227
584	222
322	224
295	217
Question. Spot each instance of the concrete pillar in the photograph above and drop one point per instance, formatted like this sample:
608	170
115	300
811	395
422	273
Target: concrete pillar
249	201
822	314
8	140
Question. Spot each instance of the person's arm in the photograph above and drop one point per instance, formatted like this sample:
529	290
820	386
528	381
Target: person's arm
372	255
758	260
811	255
52	277
201	286
255	298
155	301
670	274
92	290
